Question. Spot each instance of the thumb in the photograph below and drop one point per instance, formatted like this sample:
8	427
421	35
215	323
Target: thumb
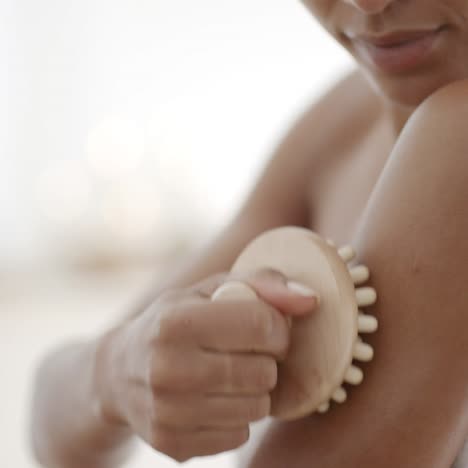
288	296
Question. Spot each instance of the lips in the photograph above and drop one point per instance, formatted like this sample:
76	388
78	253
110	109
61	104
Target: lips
397	51
396	38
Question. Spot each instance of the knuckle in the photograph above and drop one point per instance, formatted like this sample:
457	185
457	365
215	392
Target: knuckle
175	323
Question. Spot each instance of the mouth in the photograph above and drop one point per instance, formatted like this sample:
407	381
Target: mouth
397	51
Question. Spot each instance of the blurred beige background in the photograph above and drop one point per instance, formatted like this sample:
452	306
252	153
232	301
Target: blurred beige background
130	132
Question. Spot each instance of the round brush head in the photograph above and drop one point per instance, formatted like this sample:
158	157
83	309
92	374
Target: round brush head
324	344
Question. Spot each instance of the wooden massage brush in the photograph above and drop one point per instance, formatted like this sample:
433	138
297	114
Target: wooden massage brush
324	344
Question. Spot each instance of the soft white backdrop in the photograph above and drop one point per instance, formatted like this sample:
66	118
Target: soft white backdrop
121	123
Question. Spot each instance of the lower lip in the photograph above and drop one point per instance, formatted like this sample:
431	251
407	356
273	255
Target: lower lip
401	57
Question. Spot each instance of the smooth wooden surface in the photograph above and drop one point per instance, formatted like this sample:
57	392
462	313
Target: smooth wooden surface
322	344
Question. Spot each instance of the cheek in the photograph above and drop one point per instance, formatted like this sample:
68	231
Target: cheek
457	13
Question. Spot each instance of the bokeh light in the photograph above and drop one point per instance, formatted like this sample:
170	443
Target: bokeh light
114	147
130	133
64	191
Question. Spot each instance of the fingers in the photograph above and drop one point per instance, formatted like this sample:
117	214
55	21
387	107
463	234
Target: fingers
197	411
213	373
236	326
288	296
185	425
184	444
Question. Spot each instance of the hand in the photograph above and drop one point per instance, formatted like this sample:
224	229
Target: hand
188	375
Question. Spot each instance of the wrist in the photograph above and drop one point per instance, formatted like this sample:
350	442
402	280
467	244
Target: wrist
105	379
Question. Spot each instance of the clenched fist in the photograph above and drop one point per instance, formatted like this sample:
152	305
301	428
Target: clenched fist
188	375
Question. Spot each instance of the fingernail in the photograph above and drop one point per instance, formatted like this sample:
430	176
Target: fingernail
301	289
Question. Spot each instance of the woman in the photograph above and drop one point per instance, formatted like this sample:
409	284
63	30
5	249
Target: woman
380	162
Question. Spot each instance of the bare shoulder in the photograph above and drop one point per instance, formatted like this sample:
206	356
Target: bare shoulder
437	131
446	107
346	107
340	117
455	92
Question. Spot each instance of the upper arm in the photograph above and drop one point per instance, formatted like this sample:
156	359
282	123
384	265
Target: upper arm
414	238
412	408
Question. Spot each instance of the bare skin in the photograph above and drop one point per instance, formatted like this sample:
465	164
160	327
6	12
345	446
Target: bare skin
355	169
412	409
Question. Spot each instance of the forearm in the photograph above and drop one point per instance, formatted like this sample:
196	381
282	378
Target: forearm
66	429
